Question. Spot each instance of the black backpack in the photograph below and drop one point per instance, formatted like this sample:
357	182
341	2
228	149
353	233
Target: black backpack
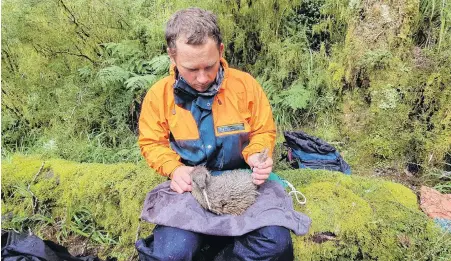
25	246
306	151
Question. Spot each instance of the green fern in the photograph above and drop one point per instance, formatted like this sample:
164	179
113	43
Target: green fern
112	75
296	97
140	82
85	72
159	65
123	50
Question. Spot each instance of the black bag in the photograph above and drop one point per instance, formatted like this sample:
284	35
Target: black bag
24	246
314	153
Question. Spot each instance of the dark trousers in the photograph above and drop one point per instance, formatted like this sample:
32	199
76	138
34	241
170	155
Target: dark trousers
169	243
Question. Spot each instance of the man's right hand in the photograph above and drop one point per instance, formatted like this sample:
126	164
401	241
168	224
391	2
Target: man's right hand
181	179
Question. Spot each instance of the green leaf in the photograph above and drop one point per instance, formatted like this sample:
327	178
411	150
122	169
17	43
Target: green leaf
296	97
112	75
140	82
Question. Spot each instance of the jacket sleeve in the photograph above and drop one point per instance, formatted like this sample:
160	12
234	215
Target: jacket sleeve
154	136
263	129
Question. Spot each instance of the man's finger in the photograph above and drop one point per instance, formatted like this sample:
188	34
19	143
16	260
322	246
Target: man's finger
253	160
186	179
260	176
258	181
263	165
183	185
174	186
259	171
268	163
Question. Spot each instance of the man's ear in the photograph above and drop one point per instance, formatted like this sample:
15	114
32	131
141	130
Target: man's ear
171	53
221	49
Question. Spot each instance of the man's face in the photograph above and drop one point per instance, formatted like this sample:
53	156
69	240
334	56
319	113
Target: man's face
197	64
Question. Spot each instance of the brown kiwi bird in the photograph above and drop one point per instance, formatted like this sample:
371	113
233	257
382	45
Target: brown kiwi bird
232	192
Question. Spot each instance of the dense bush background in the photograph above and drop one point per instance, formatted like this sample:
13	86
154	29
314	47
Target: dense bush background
371	77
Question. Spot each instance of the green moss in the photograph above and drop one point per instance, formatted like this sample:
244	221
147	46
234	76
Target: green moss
112	195
371	218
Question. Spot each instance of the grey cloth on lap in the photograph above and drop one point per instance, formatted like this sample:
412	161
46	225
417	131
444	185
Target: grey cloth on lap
273	207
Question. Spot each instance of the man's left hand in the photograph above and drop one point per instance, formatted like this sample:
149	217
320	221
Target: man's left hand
260	170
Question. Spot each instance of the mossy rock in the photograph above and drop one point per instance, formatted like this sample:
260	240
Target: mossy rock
362	218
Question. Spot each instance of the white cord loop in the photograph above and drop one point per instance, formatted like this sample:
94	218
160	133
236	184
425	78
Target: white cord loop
296	192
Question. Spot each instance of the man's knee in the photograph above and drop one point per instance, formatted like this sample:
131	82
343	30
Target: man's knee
177	253
176	244
277	241
169	243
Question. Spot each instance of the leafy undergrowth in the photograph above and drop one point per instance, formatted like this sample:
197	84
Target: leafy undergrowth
353	218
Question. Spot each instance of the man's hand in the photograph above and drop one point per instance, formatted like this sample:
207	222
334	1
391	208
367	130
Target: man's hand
181	179
260	171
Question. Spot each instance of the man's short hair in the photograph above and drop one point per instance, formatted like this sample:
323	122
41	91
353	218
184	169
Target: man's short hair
195	25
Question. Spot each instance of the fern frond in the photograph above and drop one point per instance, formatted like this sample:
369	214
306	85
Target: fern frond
140	82
296	97
85	72
112	75
123	50
159	65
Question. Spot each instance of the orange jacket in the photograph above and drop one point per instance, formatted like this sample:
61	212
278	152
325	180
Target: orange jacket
220	131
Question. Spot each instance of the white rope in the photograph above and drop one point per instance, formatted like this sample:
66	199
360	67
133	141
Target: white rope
296	192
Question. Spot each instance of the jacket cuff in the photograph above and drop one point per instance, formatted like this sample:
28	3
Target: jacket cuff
255	148
169	167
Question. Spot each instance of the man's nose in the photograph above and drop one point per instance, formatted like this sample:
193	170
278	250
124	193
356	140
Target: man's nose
202	78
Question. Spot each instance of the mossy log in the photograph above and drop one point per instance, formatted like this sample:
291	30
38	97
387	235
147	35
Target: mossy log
353	218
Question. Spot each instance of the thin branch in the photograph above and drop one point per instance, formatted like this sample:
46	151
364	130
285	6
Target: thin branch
138	230
34	199
7	57
10	108
76	54
49	50
377	36
117	13
74	20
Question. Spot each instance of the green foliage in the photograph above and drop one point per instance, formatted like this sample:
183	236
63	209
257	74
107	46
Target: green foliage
90	109
371	77
75	73
112	75
432	26
371	219
83	224
383	82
